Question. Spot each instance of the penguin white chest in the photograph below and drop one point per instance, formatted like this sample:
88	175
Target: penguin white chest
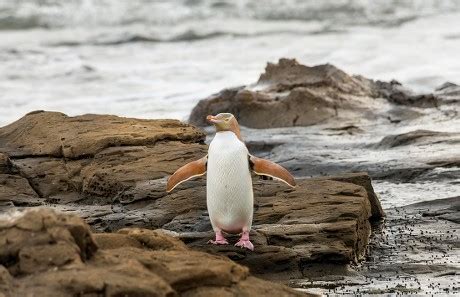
229	184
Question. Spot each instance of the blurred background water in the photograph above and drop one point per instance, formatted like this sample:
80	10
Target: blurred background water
156	59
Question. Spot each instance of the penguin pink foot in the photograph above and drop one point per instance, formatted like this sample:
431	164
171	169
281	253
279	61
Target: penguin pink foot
244	241
219	239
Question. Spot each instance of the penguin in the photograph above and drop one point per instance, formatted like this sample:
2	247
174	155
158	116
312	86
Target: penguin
229	192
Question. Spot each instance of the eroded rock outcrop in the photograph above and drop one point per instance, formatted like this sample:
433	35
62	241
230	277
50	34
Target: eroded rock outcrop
119	181
51	254
289	94
75	155
55	134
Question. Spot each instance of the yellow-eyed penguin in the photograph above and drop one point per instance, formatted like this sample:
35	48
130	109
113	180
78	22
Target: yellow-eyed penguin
229	185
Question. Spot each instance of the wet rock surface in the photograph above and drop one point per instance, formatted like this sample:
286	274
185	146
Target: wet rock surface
415	251
419	137
51	254
120	182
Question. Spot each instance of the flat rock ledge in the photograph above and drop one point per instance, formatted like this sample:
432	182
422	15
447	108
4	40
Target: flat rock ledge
112	171
44	253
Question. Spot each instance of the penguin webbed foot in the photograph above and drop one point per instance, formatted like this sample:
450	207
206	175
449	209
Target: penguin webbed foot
218	242
220	239
245	244
244	241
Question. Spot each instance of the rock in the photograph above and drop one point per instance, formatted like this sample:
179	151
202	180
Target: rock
362	179
396	93
50	176
289	94
420	137
302	95
40	240
6	281
154	239
320	221
415	251
52	254
124	186
350	129
16	190
448	93
5	164
70	158
55	134
136	172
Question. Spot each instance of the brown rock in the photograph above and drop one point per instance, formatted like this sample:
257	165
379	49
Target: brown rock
108	241
289	73
5	164
40	239
6	281
49	176
42	257
124	185
58	135
132	173
16	190
70	158
364	180
319	221
45	259
290	94
154	239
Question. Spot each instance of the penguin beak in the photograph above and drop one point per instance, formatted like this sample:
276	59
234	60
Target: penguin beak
212	119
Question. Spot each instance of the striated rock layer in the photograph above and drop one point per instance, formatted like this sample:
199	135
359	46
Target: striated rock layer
43	253
112	172
289	94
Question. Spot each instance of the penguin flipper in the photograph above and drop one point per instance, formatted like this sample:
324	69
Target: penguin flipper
268	168
186	172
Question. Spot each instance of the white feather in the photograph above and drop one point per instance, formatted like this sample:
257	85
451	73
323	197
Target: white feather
230	197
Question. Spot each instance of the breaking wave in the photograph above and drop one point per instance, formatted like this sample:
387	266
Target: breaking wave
28	14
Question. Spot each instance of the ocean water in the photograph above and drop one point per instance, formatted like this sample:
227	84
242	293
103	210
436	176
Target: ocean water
156	59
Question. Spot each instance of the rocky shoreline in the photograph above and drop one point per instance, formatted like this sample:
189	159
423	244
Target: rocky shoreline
49	254
111	172
117	180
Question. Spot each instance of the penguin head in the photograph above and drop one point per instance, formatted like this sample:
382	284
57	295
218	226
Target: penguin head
225	122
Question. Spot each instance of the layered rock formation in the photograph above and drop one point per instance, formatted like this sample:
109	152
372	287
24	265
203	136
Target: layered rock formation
324	122
289	94
424	137
112	172
43	253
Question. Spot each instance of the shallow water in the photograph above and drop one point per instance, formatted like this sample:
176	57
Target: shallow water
156	59
318	150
